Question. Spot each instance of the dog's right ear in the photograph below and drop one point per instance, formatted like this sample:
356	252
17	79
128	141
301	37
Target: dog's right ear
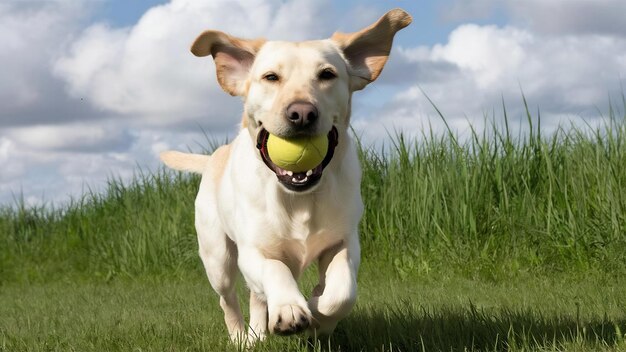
233	58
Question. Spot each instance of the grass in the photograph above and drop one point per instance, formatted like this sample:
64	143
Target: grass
489	243
502	204
436	313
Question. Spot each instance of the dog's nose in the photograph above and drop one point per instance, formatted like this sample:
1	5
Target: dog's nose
301	114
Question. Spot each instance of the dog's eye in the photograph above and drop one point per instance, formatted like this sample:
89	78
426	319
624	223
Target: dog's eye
327	74
271	77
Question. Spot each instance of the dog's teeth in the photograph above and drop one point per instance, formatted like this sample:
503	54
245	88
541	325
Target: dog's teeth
290	173
309	173
296	180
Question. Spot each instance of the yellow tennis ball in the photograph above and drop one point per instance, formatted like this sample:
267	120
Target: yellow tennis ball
297	154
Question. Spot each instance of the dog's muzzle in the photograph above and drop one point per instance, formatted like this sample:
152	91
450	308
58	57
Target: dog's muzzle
297	181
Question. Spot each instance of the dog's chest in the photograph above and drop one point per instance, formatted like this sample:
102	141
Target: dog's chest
302	223
307	216
304	229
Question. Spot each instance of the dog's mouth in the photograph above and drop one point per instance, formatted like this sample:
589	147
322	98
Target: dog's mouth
297	181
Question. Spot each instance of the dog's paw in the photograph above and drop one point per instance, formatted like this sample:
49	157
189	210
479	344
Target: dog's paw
289	319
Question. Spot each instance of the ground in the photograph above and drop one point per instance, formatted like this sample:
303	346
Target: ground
431	313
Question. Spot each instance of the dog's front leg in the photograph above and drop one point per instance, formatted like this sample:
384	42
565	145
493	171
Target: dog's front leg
335	295
288	312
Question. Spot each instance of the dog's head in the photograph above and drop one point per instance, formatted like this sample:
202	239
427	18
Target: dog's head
304	88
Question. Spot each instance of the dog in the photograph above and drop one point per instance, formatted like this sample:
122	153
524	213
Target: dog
267	223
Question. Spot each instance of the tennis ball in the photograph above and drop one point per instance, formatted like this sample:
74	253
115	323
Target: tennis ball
297	154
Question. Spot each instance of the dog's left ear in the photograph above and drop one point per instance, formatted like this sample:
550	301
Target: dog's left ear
368	49
233	58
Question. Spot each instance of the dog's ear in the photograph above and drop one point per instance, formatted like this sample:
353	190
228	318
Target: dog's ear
233	57
368	49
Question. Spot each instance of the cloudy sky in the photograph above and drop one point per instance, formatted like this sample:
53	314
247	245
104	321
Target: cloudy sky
91	89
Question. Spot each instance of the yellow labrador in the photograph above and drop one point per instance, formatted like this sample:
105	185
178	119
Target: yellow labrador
268	223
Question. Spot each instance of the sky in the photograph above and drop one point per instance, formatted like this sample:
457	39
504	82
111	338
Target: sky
95	89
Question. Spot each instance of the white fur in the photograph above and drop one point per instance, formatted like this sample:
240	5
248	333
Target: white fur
246	220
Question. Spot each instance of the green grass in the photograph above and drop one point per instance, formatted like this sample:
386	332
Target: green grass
488	243
433	313
549	204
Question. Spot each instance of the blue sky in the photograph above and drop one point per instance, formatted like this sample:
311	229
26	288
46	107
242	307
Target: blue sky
121	13
97	88
429	14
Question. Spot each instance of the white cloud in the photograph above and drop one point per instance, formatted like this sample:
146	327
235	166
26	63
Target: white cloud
133	91
32	35
147	71
11	168
555	17
136	91
485	53
52	163
561	75
605	17
77	137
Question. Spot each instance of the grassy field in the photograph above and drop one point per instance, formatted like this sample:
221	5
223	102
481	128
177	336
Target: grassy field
435	313
490	243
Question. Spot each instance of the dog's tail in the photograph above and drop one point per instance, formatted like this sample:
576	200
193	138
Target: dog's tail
185	161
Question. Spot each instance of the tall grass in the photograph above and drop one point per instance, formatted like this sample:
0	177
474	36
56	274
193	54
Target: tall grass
145	226
490	205
496	204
